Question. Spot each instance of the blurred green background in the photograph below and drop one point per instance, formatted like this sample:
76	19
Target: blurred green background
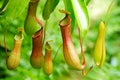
97	10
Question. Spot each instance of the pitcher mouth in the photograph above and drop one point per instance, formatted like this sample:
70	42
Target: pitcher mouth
65	21
34	1
38	33
19	36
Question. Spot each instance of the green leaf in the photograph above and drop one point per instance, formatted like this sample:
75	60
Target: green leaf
69	8
81	15
87	1
15	8
49	8
3	4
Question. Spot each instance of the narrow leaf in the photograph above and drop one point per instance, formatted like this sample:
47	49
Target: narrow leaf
49	8
81	15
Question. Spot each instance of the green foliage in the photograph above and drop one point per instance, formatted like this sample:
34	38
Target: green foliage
3	4
14	17
49	8
81	15
19	6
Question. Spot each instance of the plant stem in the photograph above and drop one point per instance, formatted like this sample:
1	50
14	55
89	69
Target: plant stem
5	32
44	33
82	51
57	52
